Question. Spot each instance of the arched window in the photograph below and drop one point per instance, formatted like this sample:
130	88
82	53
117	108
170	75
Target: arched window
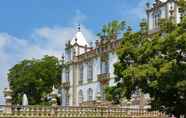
67	98
81	69
80	96
104	64
90	94
90	71
67	74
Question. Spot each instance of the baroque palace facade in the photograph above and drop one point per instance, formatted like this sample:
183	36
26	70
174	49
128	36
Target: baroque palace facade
89	69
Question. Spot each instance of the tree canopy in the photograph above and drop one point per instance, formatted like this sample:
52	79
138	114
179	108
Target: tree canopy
112	29
182	4
35	78
156	65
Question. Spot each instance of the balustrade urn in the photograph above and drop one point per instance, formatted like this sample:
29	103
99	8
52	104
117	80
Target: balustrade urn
8	100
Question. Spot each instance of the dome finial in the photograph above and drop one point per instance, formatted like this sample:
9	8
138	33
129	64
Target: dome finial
78	27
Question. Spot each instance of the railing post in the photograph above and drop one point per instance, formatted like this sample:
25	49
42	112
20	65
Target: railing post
54	95
8	100
54	101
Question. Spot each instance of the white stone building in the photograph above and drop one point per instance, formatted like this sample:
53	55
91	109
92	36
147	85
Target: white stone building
162	9
89	69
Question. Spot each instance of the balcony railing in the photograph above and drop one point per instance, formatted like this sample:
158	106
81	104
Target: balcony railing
66	84
104	77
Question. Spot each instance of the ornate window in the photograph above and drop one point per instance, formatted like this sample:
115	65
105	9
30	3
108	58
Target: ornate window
81	69
90	71
80	96
67	98
67	74
157	16
104	67
90	94
68	53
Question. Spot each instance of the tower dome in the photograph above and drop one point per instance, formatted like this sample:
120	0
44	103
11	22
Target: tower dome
163	0
79	39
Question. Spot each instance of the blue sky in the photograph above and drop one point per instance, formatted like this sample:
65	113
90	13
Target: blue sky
33	28
20	17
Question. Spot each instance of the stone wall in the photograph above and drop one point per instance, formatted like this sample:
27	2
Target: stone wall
78	112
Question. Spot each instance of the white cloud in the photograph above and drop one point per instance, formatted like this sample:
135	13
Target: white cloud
139	10
79	17
56	37
135	14
8	46
44	41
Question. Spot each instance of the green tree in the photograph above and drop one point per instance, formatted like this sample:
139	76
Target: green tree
182	3
156	65
35	78
112	30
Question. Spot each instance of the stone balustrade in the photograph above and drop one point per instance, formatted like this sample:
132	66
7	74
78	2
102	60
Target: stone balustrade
54	111
78	112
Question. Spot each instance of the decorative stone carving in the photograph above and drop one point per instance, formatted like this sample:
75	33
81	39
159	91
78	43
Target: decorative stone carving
8	100
54	95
